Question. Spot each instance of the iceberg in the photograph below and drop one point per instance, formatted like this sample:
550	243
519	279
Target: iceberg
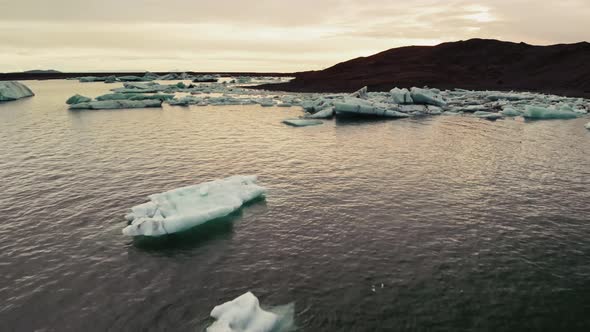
401	96
184	208
428	97
537	112
76	99
302	122
91	79
244	314
587	126
11	90
132	78
355	106
116	104
131	96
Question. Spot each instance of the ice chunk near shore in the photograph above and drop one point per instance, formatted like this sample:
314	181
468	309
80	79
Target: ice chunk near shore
428	97
537	112
76	99
510	111
362	93
326	113
355	106
587	126
401	96
184	208
302	122
11	90
244	314
116	104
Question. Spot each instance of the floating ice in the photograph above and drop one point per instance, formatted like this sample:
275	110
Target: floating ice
355	106
132	78
244	314
401	96
302	122
14	90
205	79
323	114
429	97
510	111
184	208
488	115
116	104
131	96
76	99
587	126
537	112
362	93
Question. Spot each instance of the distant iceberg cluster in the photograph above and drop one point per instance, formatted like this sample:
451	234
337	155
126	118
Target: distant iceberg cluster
10	91
184	208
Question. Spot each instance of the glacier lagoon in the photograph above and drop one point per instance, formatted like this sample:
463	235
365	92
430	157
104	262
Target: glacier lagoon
426	223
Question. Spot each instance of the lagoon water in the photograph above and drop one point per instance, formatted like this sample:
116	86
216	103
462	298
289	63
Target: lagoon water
429	224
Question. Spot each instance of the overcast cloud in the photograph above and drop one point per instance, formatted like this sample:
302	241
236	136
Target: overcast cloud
262	35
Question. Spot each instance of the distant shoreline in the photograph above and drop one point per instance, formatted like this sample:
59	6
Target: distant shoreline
24	76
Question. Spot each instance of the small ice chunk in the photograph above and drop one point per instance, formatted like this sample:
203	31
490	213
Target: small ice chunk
302	122
587	126
488	115
428	97
362	93
323	114
537	112
184	208
401	96
11	90
510	111
116	104
76	99
244	314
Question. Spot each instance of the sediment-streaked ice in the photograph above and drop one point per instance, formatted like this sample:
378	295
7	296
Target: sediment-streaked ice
11	90
302	122
116	104
244	314
184	208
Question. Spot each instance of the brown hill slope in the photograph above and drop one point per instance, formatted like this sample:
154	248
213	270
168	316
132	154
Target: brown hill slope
471	64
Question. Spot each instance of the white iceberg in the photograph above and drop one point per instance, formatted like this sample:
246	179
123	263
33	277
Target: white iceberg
355	106
537	112
428	97
401	96
244	314
76	99
302	122
10	91
184	208
116	104
587	126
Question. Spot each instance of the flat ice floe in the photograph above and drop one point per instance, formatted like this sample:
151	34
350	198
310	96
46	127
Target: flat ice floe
537	112
244	314
116	104
10	91
184	208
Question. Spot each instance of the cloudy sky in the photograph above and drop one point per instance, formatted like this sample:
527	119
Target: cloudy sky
261	35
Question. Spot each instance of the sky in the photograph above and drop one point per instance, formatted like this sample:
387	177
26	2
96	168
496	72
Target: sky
261	35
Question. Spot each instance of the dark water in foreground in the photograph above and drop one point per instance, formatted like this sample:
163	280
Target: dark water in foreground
435	224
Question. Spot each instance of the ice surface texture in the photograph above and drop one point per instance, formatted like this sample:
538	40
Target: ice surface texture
184	208
537	112
10	91
245	315
116	104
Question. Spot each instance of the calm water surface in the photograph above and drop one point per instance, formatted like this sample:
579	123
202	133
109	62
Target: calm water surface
433	224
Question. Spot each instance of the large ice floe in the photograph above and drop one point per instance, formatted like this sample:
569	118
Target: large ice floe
184	208
116	104
244	314
10	91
